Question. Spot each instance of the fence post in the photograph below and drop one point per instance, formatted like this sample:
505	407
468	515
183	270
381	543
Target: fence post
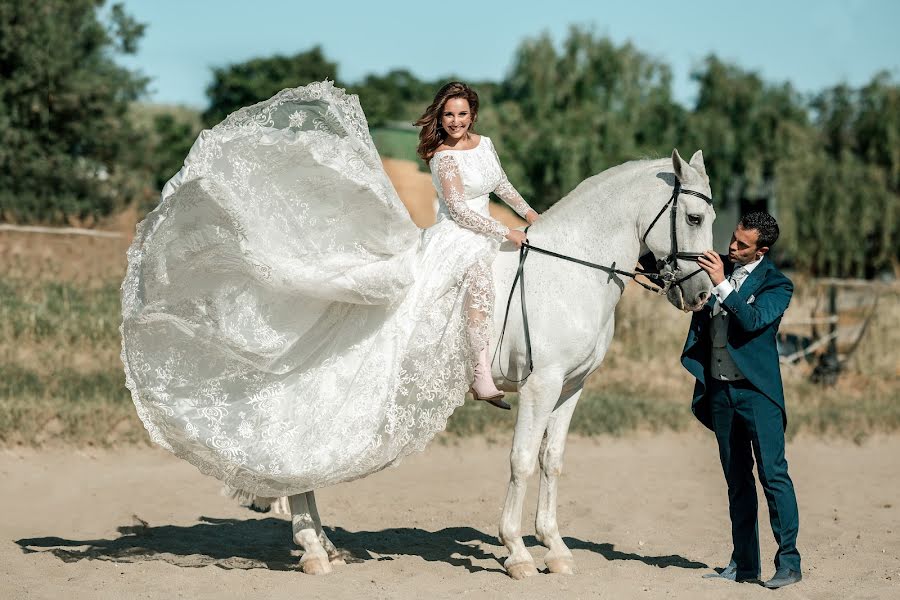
829	366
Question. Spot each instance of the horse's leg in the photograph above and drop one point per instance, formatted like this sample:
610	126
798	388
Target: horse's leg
335	556
315	559
536	401
559	559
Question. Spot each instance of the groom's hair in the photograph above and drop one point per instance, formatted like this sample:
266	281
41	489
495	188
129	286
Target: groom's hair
765	224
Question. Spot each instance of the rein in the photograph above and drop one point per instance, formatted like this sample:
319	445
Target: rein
662	281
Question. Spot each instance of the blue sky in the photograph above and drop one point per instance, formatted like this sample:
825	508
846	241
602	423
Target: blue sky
812	44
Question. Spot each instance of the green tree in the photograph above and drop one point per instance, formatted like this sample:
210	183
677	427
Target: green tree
563	115
829	162
246	83
168	133
745	126
66	146
846	218
877	127
395	96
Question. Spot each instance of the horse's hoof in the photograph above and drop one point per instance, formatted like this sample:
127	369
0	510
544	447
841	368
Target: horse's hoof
562	565
337	560
521	570
315	565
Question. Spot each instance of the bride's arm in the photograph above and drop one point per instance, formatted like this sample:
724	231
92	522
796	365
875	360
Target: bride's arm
511	195
452	188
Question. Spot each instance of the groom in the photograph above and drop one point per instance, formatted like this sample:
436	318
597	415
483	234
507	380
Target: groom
730	349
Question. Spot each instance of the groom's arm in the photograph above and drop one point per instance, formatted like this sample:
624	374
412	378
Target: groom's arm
771	302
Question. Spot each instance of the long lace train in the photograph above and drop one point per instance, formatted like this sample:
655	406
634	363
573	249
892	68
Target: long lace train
285	325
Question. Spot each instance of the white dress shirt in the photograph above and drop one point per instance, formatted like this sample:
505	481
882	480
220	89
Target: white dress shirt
722	290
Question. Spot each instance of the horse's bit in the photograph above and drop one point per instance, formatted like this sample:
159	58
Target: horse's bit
663	281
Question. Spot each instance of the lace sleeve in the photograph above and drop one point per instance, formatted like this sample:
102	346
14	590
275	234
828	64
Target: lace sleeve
507	192
452	188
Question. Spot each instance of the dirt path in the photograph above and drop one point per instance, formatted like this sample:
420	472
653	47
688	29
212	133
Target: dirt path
644	515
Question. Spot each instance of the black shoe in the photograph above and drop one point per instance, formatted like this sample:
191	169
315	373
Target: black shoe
497	400
500	403
783	577
730	573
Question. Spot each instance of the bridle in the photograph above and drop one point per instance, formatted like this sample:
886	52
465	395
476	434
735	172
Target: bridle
668	279
663	281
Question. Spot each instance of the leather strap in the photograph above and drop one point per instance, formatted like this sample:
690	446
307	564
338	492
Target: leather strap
662	282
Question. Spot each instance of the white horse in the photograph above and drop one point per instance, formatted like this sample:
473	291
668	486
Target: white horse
612	219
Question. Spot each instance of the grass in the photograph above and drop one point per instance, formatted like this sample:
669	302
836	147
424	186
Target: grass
59	312
397	143
61	379
60	375
607	412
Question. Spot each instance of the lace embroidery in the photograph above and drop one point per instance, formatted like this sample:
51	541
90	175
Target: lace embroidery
285	327
506	192
479	301
455	199
472	176
296	119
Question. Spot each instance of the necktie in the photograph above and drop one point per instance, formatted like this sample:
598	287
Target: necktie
736	279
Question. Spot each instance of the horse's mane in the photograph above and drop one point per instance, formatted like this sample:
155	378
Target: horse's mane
588	190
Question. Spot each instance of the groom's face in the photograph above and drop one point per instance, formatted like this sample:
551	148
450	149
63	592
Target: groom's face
743	248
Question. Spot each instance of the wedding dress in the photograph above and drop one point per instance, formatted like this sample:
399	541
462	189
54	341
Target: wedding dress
285	324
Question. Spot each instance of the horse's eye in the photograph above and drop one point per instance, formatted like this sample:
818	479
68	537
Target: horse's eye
695	219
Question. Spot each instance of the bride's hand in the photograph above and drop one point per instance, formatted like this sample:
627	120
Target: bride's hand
516	237
531	216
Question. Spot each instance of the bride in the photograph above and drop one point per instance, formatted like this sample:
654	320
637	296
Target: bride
285	324
465	169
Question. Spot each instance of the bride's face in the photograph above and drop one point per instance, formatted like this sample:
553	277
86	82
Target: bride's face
456	118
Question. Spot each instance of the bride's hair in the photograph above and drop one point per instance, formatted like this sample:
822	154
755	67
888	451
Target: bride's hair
431	134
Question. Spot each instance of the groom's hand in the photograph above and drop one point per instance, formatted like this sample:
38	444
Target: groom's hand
712	264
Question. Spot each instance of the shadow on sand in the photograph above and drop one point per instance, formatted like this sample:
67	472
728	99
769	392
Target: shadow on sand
265	543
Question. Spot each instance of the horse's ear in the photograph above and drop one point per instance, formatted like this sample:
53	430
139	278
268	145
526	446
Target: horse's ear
697	163
679	165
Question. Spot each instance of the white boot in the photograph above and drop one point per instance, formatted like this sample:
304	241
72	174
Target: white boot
483	387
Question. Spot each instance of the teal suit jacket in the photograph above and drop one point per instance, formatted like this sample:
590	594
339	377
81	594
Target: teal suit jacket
755	313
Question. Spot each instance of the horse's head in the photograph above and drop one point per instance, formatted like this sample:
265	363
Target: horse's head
688	219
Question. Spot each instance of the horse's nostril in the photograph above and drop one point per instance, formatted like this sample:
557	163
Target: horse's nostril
703	296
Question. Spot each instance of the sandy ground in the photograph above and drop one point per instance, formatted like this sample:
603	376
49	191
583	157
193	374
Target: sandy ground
644	515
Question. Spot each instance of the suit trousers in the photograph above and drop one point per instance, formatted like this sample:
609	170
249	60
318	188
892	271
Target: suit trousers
748	424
